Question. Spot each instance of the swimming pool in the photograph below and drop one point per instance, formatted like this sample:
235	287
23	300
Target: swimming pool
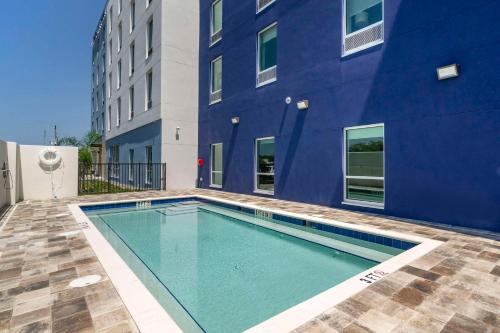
219	267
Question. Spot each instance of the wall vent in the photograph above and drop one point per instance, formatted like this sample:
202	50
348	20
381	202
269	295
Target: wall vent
216	37
364	38
267	76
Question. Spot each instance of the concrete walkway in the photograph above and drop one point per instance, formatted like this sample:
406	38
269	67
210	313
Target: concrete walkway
455	288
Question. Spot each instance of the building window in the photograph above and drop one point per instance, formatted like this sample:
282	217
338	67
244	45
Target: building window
131	165
97	102
216	80
93	104
262	4
363	24
149	164
109	118
114	159
119	7
364	165
110	52
119	37
131	59
103	94
110	19
149	90
267	55
132	15
118	112
119	75
216	22
216	165
96	124
102	123
148	2
264	168
149	38
103	63
131	99
110	83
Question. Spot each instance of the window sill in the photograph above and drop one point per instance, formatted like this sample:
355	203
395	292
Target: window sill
265	83
260	10
364	204
215	42
263	192
215	102
215	186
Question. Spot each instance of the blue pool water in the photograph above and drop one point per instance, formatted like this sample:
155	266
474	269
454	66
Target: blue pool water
218	272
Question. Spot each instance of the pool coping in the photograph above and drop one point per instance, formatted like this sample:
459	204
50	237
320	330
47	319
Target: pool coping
150	316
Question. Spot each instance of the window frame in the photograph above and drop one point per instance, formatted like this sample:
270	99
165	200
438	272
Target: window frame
131	59
275	67
118	111
354	202
108	123
110	20
110	83
131	102
256	167
212	32
258	10
149	166
120	37
212	92
212	171
345	35
119	74
132	13
149	30
149	90
131	153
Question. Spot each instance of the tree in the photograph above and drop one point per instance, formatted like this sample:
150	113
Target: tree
68	141
84	146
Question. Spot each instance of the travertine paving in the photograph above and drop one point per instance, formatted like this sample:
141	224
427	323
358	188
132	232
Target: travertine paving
455	288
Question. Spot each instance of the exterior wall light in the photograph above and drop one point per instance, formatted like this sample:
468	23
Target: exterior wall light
303	105
235	120
447	72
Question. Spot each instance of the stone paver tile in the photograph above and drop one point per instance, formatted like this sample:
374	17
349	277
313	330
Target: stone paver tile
352	307
356	328
425	286
421	273
462	324
111	318
42	326
409	297
63	275
30	317
10	273
80	322
314	326
65	309
29	305
5	319
496	270
377	321
103	302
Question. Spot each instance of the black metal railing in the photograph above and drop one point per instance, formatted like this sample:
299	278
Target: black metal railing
101	178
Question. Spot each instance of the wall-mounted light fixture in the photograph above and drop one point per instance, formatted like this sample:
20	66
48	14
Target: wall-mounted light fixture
235	120
303	105
447	72
288	100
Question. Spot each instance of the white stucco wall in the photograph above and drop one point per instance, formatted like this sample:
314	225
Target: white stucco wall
36	183
8	179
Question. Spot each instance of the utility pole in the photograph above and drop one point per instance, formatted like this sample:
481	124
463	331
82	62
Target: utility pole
55	141
44	137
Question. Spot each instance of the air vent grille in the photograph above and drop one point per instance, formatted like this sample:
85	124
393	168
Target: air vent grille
216	37
267	76
264	3
364	38
215	97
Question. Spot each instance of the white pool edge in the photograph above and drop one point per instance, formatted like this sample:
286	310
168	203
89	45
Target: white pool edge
150	316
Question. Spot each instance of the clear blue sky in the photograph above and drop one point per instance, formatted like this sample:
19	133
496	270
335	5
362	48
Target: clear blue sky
45	59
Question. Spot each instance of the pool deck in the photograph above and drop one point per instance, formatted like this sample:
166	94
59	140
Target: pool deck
454	288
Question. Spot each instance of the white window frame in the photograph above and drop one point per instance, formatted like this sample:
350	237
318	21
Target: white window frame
148	90
256	166
120	7
110	19
275	67
108	123
211	81
147	170
119	75
353	202
120	37
212	172
258	10
346	35
131	102
110	51
118	111
132	13
110	84
149	47
213	33
131	59
131	153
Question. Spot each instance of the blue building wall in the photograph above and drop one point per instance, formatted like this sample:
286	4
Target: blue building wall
138	139
442	138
